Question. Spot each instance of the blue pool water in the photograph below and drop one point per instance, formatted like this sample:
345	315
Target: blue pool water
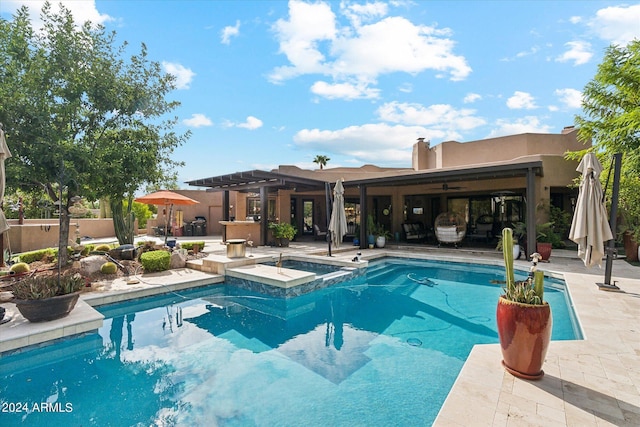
383	349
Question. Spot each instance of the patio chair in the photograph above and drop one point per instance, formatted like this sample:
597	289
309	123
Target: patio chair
318	234
450	228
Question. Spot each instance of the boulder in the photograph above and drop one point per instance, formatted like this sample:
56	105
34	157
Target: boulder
178	260
91	264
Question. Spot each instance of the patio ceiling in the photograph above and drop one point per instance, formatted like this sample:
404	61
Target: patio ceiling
443	176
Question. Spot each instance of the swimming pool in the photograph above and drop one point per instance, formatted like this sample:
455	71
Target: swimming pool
381	349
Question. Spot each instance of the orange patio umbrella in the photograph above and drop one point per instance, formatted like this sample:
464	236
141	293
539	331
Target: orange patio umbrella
166	198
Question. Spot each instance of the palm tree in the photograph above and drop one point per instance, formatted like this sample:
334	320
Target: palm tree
321	160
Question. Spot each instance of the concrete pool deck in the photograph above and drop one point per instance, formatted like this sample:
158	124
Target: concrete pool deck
591	382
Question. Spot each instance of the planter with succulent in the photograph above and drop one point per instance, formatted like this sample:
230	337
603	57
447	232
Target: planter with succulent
283	233
44	298
381	236
523	318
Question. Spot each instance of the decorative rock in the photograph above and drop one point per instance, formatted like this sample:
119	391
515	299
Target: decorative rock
178	260
91	264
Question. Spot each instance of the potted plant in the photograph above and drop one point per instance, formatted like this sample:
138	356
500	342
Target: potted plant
43	298
381	236
283	233
547	239
523	318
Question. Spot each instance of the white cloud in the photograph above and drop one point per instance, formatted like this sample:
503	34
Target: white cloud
572	98
406	88
440	117
367	143
528	124
183	75
617	24
314	44
577	51
82	11
198	120
346	91
357	13
471	98
521	100
228	32
251	123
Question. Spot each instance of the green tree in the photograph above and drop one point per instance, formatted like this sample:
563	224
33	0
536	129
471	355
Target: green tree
611	119
321	160
80	118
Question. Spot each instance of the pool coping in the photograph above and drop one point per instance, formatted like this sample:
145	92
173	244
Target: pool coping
590	382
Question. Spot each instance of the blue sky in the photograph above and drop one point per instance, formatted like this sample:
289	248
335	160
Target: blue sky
265	83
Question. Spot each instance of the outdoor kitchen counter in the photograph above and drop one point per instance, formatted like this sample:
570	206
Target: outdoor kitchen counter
247	230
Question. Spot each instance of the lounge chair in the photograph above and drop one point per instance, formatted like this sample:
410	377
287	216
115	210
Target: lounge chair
318	234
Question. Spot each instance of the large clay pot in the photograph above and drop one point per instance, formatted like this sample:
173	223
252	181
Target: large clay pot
524	331
544	249
42	310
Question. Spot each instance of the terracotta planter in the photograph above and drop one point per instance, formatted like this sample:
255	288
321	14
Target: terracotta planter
524	331
544	249
42	310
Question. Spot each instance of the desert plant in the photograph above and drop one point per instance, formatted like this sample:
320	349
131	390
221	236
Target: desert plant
530	291
42	287
102	248
155	261
108	268
20	267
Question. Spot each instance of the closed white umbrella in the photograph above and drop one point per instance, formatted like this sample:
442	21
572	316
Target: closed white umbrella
590	228
338	222
4	154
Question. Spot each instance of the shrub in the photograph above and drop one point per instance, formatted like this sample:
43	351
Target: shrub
37	255
108	268
102	248
189	245
21	267
155	261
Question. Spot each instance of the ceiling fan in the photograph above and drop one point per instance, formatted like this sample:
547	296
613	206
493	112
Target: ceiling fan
446	187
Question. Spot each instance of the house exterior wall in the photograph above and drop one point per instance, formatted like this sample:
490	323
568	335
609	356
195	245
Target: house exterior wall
456	154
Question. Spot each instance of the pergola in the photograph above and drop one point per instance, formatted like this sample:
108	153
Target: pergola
263	181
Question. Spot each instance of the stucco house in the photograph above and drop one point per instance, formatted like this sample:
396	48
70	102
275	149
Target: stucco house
497	180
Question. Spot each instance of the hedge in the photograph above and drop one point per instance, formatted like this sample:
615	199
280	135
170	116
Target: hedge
155	261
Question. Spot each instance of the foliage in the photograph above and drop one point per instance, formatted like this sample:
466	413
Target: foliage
371	225
80	118
103	247
142	213
42	287
155	261
108	268
189	245
530	291
20	267
561	220
611	119
37	255
545	233
321	160
380	231
282	230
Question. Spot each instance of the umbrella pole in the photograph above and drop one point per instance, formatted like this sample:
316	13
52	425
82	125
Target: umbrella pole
610	249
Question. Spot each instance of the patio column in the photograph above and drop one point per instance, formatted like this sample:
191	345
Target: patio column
264	215
531	212
364	211
225	213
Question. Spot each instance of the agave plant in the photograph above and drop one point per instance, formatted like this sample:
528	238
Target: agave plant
43	287
530	291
